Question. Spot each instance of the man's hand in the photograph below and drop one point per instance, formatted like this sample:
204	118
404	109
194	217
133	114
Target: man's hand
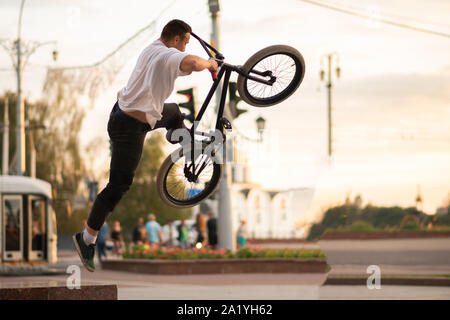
193	63
213	65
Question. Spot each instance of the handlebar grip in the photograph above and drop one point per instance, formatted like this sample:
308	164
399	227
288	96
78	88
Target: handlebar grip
214	75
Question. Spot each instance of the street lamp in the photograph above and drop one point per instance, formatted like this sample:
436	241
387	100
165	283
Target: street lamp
329	58
20	52
260	124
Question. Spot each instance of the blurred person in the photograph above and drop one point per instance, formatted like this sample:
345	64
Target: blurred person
101	241
116	237
212	230
153	229
200	225
139	232
183	235
242	234
170	233
139	109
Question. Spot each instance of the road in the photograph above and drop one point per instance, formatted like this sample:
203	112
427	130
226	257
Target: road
400	256
410	255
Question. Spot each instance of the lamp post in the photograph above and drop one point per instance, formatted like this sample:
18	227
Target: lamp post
20	52
30	128
260	124
329	58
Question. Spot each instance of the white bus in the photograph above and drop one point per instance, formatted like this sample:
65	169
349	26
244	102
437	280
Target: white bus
27	221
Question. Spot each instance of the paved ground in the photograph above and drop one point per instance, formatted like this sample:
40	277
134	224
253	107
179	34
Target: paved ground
401	252
415	256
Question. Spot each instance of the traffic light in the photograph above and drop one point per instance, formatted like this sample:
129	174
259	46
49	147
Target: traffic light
190	104
234	99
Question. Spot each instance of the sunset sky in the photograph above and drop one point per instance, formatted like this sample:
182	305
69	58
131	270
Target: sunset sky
391	108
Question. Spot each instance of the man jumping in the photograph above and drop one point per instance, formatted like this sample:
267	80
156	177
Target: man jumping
140	108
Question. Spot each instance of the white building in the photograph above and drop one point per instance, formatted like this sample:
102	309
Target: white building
269	213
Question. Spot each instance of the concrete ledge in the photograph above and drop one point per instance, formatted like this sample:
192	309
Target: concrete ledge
221	266
383	235
87	292
430	281
274	240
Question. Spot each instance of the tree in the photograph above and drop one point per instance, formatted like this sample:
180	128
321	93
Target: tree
58	157
142	197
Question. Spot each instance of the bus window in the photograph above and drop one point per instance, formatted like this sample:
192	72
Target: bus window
12	224
38	231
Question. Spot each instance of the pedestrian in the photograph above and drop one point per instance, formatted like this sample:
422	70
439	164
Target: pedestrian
242	234
212	230
116	237
170	233
200	225
101	241
139	232
183	235
141	108
153	229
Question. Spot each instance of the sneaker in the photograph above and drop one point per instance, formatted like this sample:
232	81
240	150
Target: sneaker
86	252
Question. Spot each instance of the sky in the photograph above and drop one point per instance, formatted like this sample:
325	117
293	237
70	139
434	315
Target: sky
391	105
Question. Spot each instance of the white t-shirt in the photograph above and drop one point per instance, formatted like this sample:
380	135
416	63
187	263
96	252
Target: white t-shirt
152	81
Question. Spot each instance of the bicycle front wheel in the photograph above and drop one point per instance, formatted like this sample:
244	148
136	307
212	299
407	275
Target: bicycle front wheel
287	68
180	185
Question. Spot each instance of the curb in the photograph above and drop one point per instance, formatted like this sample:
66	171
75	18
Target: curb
388	280
218	266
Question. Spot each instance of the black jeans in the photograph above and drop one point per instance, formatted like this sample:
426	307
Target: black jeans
127	136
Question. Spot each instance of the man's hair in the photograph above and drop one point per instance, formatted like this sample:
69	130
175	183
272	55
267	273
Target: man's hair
175	28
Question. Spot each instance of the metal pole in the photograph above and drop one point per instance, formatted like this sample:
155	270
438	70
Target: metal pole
33	156
330	92
5	160
20	106
226	238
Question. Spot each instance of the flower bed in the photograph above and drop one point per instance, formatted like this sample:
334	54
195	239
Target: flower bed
147	252
163	261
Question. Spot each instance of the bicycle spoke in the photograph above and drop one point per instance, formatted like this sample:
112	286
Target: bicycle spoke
283	68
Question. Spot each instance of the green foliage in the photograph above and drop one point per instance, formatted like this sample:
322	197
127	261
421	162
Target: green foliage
142	197
146	252
316	230
351	217
362	226
410	225
442	219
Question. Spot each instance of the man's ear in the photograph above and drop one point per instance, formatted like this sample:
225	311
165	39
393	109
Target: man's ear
177	39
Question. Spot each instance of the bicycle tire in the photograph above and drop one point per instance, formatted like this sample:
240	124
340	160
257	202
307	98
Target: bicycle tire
297	78
161	181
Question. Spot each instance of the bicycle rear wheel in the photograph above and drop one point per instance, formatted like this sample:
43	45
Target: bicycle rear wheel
174	184
286	65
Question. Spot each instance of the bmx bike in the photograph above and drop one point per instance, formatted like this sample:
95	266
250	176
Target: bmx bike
192	172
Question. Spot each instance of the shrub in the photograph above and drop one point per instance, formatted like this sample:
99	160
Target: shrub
362	226
410	225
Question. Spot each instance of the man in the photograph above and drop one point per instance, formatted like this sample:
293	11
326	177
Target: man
101	241
153	229
242	234
140	108
212	230
138	232
170	233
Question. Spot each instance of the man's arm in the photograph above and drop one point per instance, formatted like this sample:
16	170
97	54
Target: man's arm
193	63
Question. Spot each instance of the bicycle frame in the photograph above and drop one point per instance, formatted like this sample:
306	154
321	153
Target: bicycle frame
224	72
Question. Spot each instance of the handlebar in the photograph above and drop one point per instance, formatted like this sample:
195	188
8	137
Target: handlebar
218	56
